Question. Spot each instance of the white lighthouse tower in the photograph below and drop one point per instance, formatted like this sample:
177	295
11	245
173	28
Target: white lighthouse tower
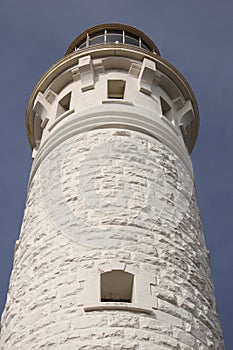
111	254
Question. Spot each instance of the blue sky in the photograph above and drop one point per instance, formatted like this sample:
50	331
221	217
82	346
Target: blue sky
195	36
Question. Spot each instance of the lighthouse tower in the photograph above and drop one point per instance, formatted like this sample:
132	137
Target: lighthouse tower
111	254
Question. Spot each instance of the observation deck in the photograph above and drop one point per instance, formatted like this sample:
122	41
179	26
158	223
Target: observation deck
112	33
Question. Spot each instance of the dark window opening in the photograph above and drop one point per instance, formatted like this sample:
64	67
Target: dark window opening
166	109
144	46
116	300
117	286
63	104
116	89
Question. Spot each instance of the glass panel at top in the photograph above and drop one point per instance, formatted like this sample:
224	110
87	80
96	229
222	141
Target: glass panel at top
114	38
82	46
144	46
131	41
97	40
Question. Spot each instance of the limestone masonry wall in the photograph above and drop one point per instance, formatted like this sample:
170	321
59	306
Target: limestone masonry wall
104	200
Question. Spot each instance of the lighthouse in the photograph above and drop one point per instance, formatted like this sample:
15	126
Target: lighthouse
111	253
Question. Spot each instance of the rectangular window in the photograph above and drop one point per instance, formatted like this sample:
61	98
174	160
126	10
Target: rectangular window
64	104
166	109
116	89
116	286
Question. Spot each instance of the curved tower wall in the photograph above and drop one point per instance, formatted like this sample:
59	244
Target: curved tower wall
111	253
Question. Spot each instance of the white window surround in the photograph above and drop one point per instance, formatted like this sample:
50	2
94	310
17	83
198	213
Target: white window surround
117	306
142	298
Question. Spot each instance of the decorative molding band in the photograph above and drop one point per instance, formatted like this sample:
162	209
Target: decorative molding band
100	118
63	116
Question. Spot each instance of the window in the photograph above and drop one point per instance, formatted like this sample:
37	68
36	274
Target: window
116	286
111	36
116	89
131	39
145	46
114	36
96	38
63	104
166	109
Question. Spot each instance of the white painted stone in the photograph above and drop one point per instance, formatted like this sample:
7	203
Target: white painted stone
86	73
111	188
146	76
